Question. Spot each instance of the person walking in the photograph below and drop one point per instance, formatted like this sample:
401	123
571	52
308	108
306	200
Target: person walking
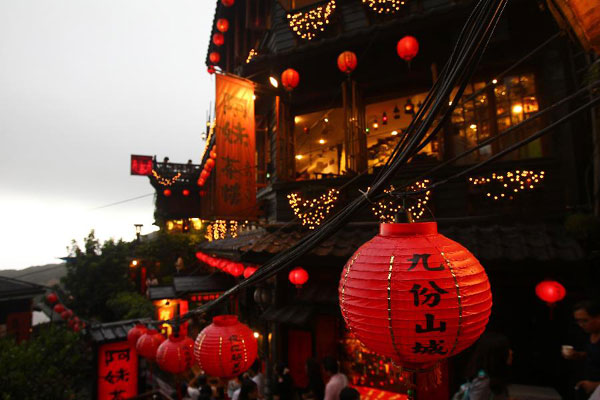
337	381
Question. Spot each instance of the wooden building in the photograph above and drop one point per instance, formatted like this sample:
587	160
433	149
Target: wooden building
16	307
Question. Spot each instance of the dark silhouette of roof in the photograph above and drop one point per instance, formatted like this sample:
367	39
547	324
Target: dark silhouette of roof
12	289
182	285
114	331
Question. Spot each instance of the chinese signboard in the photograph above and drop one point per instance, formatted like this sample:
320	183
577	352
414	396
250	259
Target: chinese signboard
141	165
235	139
117	371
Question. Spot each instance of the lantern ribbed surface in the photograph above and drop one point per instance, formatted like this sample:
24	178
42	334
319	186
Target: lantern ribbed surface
148	343
176	354
134	334
414	295
225	348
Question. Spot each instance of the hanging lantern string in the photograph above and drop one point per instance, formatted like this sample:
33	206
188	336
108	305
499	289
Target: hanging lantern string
471	44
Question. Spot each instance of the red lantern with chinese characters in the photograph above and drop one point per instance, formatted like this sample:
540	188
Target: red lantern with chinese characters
347	62
134	334
176	354
218	39
59	308
249	271
290	79
550	291
222	25
51	298
214	57
407	48
298	276
225	348
227	3
167	192
148	343
414	295
210	69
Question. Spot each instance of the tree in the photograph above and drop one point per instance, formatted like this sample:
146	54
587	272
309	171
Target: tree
130	305
53	364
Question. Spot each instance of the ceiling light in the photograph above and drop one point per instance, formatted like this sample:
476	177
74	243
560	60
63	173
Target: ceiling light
274	82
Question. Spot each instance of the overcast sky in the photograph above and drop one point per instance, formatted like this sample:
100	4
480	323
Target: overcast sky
84	84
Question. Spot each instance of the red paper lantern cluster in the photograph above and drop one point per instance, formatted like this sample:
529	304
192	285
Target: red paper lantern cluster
135	333
67	315
290	79
222	25
298	276
407	48
225	348
176	354
414	295
147	344
214	57
550	291
231	267
208	167
347	62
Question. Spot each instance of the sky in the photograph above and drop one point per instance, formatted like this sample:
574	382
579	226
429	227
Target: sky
83	85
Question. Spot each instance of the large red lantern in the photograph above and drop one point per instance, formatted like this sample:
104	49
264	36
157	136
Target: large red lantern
51	298
218	39
407	48
225	348
249	271
176	354
414	295
298	276
148	343
134	334
59	308
347	62
222	25
550	291
290	79
214	57
227	3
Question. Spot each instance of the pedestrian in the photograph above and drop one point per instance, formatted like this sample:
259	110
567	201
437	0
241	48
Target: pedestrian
255	373
284	387
587	316
316	388
233	385
249	390
336	380
487	370
349	393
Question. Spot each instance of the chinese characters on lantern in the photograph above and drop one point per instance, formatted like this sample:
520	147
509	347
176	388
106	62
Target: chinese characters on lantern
117	371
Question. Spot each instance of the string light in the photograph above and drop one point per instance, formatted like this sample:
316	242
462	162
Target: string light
387	209
312	212
233	229
165	181
308	24
504	186
253	53
384	6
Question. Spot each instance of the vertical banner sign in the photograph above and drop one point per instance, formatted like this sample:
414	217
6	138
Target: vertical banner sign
236	160
141	165
117	371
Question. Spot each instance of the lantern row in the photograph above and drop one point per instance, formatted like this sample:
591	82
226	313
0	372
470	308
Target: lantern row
66	314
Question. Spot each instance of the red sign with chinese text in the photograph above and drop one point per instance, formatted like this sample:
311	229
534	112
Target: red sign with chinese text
235	168
117	371
141	165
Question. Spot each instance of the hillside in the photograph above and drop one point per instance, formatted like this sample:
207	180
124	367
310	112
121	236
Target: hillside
47	275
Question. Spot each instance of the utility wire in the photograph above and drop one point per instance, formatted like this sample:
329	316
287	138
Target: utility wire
121	202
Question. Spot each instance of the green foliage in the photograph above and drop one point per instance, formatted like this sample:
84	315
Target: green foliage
130	305
53	364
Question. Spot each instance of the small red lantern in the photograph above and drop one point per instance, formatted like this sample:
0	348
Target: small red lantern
298	276
214	57
213	155
227	3
550	291
76	328
290	79
225	348
347	62
218	39
202	193
134	334
65	314
59	308
204	174
210	69
201	182
235	269
414	295
185	192
210	164
51	298
407	48
176	354
222	25
249	271
148	343
167	192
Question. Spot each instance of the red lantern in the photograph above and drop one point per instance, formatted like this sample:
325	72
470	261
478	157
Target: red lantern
347	62
134	334
201	182
407	48
204	174
167	192
222	25
298	276
414	295
210	69
176	354
225	348
227	3
185	192
235	269
213	155
550	291
214	57
202	193
218	39
59	308
249	271
148	343
290	79
76	328
51	298
65	314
